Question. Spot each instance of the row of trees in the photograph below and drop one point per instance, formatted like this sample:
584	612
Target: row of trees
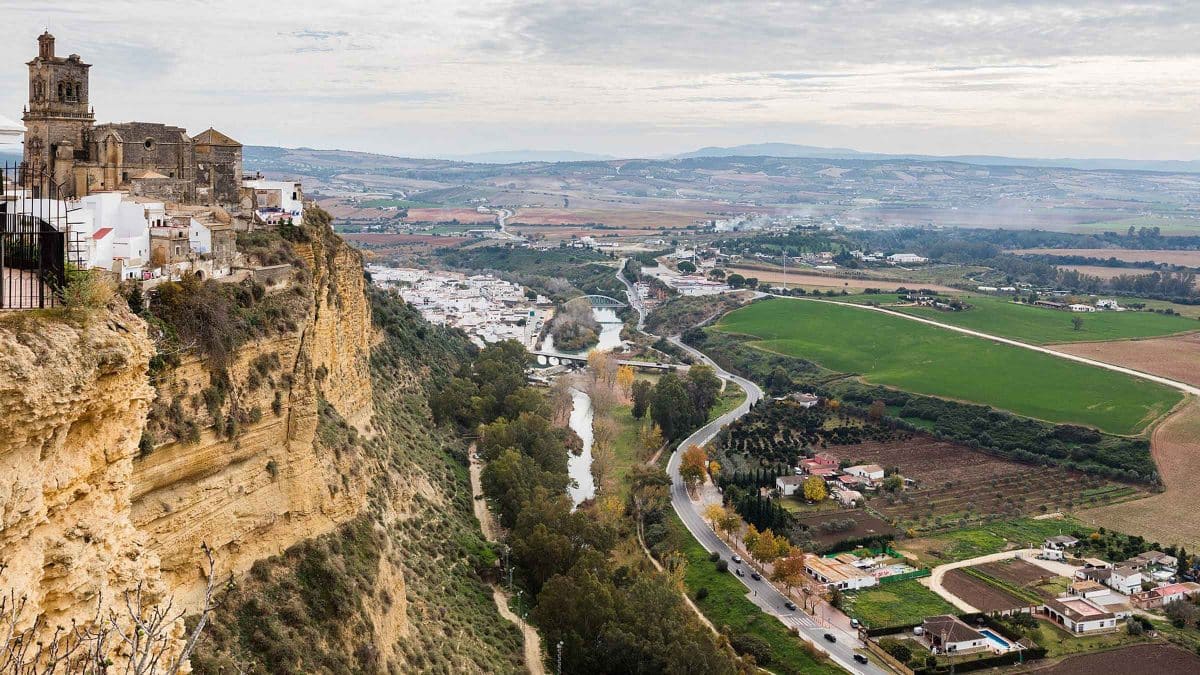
679	404
607	617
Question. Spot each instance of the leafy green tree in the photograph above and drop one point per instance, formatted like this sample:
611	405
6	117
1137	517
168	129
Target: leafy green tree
703	387
671	406
735	280
687	267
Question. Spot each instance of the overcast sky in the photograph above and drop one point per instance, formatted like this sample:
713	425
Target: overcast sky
639	77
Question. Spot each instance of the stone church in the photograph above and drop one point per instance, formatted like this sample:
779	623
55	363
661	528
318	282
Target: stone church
147	159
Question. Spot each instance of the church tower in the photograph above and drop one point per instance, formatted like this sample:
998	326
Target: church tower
58	123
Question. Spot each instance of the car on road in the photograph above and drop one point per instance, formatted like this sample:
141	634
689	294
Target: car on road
756	576
854	623
737	560
861	659
790	605
739	572
830	637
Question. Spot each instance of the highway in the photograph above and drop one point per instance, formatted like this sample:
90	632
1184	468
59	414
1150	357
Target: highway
635	301
761	593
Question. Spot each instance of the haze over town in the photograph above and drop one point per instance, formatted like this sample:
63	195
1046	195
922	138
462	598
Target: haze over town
418	79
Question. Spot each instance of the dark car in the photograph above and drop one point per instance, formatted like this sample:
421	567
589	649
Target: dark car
831	637
790	605
739	572
756	576
861	659
737	559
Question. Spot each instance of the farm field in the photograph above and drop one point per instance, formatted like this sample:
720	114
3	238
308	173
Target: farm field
808	280
1169	516
994	537
1038	325
904	603
980	594
894	351
1159	659
865	525
1108	272
1172	357
949	490
1185	258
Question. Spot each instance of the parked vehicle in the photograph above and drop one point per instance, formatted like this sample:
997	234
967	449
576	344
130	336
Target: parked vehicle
854	623
830	637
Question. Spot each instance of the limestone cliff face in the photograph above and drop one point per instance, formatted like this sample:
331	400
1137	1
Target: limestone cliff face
252	491
73	398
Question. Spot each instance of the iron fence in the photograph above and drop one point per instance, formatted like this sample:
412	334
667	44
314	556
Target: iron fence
33	240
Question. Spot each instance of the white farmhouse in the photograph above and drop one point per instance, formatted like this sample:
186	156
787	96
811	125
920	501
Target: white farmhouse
789	485
869	471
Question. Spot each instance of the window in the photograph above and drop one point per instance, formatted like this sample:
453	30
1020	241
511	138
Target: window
148	144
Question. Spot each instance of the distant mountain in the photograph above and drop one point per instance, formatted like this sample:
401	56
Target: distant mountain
791	150
518	156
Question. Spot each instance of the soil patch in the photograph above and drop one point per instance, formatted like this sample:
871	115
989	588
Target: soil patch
979	593
1157	659
1171	357
865	525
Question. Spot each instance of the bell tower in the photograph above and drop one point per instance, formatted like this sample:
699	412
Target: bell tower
58	122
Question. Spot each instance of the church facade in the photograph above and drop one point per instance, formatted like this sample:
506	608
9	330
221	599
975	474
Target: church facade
147	159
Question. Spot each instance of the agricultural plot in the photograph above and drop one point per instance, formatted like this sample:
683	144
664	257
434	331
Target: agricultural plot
957	486
980	594
894	351
829	528
1172	357
999	586
905	603
1159	659
1039	325
984	539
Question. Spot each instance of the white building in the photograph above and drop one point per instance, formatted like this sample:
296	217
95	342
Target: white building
1125	579
1081	308
868	471
1054	547
948	634
1080	615
1109	304
277	200
906	259
834	574
789	485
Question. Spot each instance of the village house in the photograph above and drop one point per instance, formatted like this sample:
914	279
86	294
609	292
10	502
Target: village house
835	574
1086	588
1077	307
1165	595
1125	579
805	400
789	485
871	472
821	461
949	635
1080	615
1054	548
1153	560
273	201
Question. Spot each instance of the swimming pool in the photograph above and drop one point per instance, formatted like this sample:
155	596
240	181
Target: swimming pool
999	642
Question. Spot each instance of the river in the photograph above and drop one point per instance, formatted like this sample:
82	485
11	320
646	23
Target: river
579	468
610	334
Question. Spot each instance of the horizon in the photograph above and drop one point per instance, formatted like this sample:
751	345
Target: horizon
1058	80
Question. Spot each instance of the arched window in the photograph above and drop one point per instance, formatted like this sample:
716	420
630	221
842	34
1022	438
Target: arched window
60	91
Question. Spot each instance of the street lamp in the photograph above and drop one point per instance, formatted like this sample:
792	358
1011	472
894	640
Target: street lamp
560	644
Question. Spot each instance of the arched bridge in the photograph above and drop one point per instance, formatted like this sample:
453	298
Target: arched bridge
604	302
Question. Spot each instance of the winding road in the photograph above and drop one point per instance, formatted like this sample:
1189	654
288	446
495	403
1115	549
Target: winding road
762	592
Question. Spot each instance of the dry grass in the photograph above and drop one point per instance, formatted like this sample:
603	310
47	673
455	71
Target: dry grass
1172	357
822	281
1169	517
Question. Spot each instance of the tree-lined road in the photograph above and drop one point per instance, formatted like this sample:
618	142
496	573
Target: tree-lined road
762	592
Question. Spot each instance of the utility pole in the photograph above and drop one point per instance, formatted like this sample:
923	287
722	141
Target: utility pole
560	657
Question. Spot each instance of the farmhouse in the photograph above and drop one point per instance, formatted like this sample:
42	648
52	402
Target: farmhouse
1108	304
821	460
1154	560
805	400
1165	595
1048	304
1052	548
789	485
1085	588
834	574
1079	615
868	471
1081	308
1125	579
906	259
949	634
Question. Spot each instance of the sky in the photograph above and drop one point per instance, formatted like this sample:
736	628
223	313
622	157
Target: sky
1052	78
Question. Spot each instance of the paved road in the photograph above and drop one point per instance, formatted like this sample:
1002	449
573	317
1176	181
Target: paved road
1174	384
762	593
631	291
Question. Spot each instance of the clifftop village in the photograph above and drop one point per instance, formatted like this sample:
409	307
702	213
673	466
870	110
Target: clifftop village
143	200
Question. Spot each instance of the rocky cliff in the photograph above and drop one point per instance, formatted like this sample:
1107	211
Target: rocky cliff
282	425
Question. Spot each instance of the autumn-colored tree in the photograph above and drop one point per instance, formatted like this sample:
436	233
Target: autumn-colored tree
789	569
625	381
833	403
766	547
714	469
651	439
751	537
692	465
814	489
714	513
876	409
731	522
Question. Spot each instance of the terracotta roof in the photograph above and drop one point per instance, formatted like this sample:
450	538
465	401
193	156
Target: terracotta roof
211	136
101	233
950	629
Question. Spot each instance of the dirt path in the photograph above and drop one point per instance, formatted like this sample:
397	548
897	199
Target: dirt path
487	523
1168	517
935	580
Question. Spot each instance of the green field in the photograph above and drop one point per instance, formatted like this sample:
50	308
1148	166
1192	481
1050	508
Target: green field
899	604
898	352
986	539
999	316
727	608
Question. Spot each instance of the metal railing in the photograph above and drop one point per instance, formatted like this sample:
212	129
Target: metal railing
33	240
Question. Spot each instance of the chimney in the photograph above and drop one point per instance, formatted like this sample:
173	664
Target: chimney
46	45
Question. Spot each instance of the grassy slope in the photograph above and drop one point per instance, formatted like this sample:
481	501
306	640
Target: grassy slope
1037	325
924	359
900	604
727	607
